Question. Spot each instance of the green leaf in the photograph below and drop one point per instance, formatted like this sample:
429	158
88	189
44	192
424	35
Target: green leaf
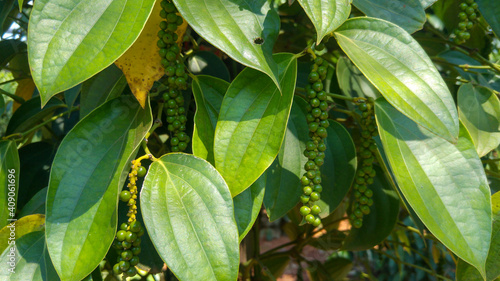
9	179
245	30
408	14
69	40
427	3
32	260
283	186
188	211
396	64
9	49
466	272
352	82
455	57
2	105
339	169
30	113
106	85
247	206
479	111
490	10
20	228
71	95
5	11
382	218
36	205
444	183
252	123
208	63
89	169
208	93
326	15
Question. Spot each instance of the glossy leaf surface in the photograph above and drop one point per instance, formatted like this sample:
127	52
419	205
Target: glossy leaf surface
188	211
245	30
396	64
479	111
70	40
444	183
252	123
9	179
89	169
283	187
208	93
247	206
326	15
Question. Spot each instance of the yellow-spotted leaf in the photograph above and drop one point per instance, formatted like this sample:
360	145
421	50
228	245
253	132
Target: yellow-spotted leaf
444	183
141	63
403	73
71	40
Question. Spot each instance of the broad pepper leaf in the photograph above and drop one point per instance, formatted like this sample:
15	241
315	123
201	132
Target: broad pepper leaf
252	123
36	205
401	70
444	183
20	227
88	171
9	179
479	111
326	15
188	212
283	186
247	206
70	40
490	10
245	30
208	93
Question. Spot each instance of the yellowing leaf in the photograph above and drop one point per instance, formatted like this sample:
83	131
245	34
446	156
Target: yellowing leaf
141	63
25	89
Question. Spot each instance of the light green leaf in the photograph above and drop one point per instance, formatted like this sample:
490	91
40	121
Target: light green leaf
326	15
382	218
479	111
106	85
408	14
396	64
352	82
9	180
245	30
188	212
427	3
30	113
466	272
283	187
490	10
208	93
71	40
339	169
444	183
247	206
32	262
89	169
252	123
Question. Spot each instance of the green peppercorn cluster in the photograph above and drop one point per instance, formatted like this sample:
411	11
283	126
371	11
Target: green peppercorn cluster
365	173
317	119
468	14
128	242
176	76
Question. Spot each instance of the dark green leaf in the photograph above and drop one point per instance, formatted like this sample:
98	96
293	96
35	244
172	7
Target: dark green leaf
9	179
36	205
490	10
252	123
283	187
5	10
479	111
208	63
244	30
275	265
208	93
408	14
71	95
247	206
458	58
396	64
326	15
188	211
382	218
466	272
70	40
107	84
339	169
444	183
30	113
9	48
89	168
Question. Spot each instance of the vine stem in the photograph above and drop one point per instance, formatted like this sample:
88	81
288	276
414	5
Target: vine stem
20	136
12	96
340	97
